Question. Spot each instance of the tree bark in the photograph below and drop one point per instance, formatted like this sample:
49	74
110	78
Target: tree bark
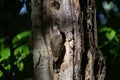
76	21
39	48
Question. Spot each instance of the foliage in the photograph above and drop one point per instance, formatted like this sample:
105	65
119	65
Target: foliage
109	36
21	52
14	39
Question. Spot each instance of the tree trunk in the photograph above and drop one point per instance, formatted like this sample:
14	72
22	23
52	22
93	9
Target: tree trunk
77	56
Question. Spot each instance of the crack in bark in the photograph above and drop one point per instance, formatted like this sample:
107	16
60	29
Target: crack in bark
77	22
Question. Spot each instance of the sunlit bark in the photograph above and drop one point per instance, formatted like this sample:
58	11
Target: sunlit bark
76	20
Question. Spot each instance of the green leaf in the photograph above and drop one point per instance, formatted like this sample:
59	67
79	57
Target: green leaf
20	66
110	34
23	50
1	74
21	35
103	29
117	38
5	53
21	53
7	67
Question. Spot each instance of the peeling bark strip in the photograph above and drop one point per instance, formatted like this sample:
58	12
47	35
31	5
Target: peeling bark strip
76	49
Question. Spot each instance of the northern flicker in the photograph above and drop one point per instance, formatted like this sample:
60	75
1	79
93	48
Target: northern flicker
56	41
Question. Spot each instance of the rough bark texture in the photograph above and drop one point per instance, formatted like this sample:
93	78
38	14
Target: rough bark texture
39	49
76	20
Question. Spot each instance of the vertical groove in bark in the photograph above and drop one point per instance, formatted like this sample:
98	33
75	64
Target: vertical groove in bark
95	63
77	54
76	19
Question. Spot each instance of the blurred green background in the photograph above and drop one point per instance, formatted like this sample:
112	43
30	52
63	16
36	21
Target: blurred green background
15	32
